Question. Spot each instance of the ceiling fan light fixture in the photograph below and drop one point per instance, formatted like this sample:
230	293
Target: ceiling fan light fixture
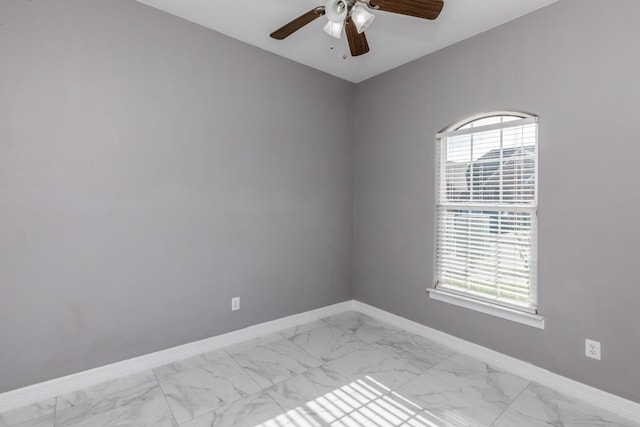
361	18
336	10
334	29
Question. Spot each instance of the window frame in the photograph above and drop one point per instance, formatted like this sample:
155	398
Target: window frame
521	314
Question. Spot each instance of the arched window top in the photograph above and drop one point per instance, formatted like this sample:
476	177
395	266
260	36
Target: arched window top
486	119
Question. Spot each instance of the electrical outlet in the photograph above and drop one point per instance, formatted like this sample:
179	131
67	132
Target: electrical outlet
235	303
592	349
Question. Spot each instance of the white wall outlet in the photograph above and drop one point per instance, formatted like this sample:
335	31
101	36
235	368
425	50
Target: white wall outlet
592	349
235	303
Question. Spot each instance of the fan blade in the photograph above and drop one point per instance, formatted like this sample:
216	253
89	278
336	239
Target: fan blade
293	26
357	42
426	9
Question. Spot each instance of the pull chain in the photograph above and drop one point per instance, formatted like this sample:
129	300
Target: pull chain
344	44
344	47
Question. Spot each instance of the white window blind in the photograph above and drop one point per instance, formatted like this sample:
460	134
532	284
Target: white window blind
486	246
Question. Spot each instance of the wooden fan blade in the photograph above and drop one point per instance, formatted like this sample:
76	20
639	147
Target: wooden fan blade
357	42
293	26
426	9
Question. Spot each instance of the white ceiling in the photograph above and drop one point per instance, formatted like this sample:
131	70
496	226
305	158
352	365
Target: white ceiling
394	39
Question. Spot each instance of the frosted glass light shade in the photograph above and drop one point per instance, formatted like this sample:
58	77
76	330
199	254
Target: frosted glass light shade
336	10
361	18
334	29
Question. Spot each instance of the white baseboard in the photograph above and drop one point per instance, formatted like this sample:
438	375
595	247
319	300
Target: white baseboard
58	386
45	390
612	403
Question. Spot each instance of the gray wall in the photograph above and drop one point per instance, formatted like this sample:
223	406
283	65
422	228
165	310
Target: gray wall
151	169
576	65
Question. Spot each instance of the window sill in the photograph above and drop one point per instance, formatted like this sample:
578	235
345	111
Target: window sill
533	320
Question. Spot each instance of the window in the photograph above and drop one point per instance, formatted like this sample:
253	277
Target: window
487	211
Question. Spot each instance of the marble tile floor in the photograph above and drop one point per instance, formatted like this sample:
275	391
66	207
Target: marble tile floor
348	370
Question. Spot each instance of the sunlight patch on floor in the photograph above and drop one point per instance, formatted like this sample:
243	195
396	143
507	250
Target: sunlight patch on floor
361	403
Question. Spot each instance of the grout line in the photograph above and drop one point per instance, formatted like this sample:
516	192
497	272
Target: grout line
55	412
433	367
247	374
164	396
284	411
510	404
319	359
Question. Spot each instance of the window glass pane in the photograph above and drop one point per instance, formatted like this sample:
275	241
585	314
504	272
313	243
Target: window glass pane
487	121
510	118
484	251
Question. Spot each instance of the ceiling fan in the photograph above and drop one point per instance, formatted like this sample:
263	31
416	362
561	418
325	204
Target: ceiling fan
351	16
